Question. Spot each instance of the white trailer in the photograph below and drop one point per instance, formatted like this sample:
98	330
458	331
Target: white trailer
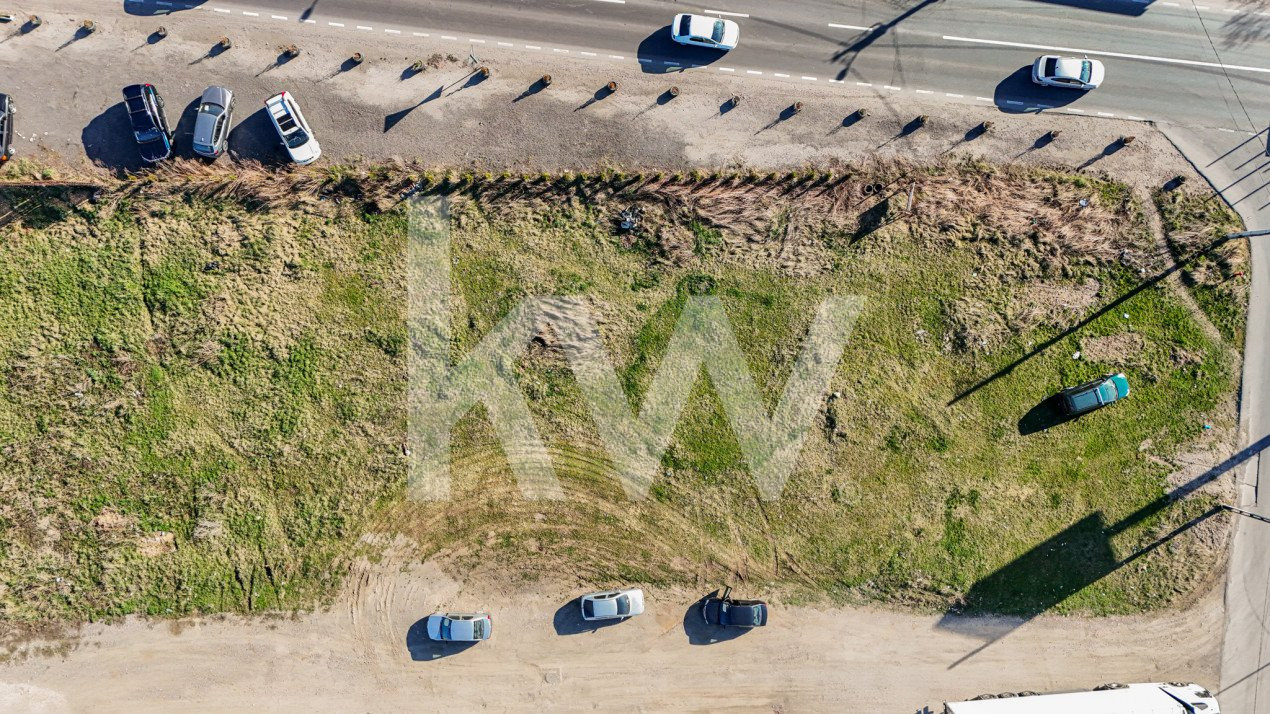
1153	698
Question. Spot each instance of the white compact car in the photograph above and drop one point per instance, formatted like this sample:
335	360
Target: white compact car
1069	72
459	627
612	604
293	129
705	31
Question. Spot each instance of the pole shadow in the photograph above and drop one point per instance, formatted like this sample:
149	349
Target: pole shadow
786	114
423	649
395	118
80	33
1072	560
1128	295
215	50
282	58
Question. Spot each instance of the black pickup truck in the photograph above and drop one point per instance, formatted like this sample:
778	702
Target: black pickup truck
149	122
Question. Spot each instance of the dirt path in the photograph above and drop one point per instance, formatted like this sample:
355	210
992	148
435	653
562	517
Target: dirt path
365	653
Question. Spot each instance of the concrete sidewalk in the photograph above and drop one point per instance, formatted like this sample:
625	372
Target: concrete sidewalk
1238	166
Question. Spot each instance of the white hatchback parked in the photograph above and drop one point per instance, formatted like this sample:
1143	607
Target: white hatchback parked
705	31
612	604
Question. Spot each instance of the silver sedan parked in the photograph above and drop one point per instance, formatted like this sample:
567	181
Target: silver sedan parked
612	604
215	117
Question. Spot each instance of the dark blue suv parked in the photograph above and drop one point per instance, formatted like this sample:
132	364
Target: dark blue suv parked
149	122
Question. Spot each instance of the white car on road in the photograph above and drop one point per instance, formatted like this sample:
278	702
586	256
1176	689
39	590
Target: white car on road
705	31
294	131
1069	72
612	604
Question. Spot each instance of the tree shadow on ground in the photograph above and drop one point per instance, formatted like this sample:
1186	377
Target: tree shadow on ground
867	38
568	620
1071	560
422	649
658	54
1018	94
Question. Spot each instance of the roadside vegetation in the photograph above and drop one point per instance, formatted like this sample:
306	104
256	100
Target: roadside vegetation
202	402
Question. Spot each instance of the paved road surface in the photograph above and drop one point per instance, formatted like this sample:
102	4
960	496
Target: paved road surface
1167	61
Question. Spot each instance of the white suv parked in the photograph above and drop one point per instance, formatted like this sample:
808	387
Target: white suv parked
292	128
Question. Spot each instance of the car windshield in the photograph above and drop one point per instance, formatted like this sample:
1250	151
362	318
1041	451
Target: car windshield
292	133
1051	66
209	108
149	135
717	34
1086	68
588	608
445	629
623	605
478	629
685	23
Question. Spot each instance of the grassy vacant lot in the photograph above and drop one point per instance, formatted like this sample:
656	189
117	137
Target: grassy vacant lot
202	400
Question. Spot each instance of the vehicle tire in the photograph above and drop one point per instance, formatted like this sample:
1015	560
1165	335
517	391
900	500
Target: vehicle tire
1007	695
1027	693
1110	686
983	697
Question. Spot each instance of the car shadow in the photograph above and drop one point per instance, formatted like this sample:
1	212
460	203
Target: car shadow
1018	94
658	54
159	7
568	620
1049	413
255	139
108	141
700	633
423	649
1119	7
183	133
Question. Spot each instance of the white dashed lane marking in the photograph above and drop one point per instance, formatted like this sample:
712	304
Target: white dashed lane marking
251	14
1104	53
393	32
849	27
335	24
752	71
278	17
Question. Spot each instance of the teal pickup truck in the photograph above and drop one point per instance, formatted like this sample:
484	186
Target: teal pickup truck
1092	395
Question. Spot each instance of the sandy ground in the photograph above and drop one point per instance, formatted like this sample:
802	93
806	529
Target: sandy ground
366	652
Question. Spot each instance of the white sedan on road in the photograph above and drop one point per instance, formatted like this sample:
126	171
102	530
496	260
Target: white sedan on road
612	604
705	31
1069	72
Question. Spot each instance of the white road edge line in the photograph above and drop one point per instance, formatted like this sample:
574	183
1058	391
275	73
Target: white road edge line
720	12
950	94
809	79
278	17
251	14
615	2
420	34
532	47
897	89
726	69
983	99
616	57
778	74
220	9
923	91
363	27
1103	53
505	44
849	27
393	32
752	71
864	84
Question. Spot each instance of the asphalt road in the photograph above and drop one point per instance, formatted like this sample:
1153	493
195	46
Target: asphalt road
1189	64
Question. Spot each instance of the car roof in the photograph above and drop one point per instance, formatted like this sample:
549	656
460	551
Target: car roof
216	95
1069	67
